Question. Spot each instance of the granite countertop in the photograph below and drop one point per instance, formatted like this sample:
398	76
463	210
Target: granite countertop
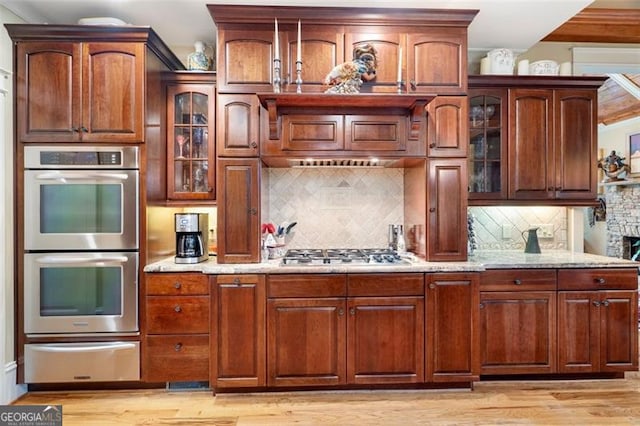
479	261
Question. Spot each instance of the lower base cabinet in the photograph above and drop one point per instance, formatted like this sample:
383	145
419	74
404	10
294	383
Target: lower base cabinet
598	321
345	329
238	356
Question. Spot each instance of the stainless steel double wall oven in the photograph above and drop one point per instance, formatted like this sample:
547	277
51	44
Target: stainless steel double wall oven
81	262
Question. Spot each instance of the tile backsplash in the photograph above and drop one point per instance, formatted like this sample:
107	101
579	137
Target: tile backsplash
334	207
500	228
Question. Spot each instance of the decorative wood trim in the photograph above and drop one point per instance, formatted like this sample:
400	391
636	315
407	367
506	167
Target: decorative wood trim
600	26
535	81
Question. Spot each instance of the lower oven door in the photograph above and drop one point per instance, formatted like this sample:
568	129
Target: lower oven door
80	293
81	362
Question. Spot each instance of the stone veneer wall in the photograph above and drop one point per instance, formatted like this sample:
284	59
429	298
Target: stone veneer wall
623	216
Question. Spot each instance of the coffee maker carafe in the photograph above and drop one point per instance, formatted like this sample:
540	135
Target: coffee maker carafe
191	237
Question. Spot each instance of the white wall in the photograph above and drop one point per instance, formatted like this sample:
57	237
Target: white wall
613	137
9	391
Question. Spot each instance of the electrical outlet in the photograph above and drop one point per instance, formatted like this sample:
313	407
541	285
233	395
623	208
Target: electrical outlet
545	231
506	231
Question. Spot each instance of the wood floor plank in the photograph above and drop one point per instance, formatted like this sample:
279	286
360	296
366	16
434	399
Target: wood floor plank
580	402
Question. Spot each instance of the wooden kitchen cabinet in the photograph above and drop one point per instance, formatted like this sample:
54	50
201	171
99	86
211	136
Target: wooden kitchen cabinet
238	210
597	320
447	209
71	91
238	334
176	335
487	121
518	321
306	330
556	131
238	125
452	327
447	131
190	141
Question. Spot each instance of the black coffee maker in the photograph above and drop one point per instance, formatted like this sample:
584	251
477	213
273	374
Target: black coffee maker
191	237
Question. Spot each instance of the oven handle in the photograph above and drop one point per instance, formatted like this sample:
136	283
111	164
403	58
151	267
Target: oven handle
89	348
81	175
80	259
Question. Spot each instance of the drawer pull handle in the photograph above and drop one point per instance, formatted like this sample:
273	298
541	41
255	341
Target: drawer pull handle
601	281
236	281
177	309
178	347
177	286
517	282
596	303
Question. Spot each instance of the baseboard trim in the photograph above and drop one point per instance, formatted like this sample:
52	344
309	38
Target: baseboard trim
9	389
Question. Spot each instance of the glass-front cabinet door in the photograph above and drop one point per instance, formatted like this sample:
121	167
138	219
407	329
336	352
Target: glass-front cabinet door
190	142
487	144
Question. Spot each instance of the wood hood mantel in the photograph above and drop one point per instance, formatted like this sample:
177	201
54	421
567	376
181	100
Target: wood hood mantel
277	104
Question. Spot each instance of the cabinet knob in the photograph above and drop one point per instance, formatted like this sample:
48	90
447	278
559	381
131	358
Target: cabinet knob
605	303
177	308
558	188
254	144
178	347
601	281
432	209
517	282
253	211
432	286
413	84
352	311
482	306
75	129
177	286
596	303
340	312
550	188
236	281
83	129
432	145
209	189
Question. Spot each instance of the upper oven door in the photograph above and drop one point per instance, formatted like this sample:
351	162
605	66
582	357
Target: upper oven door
81	209
84	292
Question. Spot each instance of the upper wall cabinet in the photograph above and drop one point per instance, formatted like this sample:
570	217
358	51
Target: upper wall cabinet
425	49
80	92
533	139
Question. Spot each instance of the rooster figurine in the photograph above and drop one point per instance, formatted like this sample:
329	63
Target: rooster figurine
348	76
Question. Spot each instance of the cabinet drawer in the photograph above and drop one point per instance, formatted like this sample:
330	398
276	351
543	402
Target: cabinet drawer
177	284
518	280
176	358
312	132
375	133
307	285
598	279
386	285
177	315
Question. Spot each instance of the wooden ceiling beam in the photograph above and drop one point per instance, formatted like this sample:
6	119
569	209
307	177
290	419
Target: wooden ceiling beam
596	25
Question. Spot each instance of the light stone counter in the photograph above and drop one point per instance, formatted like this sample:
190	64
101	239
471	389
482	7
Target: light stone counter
481	260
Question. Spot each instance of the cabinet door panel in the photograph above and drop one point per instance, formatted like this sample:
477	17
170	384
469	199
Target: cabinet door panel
447	206
177	314
321	52
447	132
306	342
531	155
385	340
113	92
238	210
312	132
48	87
619	331
245	60
576	139
237	126
388	47
518	332
379	133
578	332
238	338
452	333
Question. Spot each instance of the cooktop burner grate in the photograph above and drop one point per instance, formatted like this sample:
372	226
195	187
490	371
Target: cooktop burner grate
340	256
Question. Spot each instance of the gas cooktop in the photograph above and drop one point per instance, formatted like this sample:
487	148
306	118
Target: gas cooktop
341	256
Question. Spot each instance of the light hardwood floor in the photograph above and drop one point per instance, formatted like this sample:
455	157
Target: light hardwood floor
583	402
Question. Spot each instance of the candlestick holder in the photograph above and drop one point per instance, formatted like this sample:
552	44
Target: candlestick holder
298	76
399	86
277	81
